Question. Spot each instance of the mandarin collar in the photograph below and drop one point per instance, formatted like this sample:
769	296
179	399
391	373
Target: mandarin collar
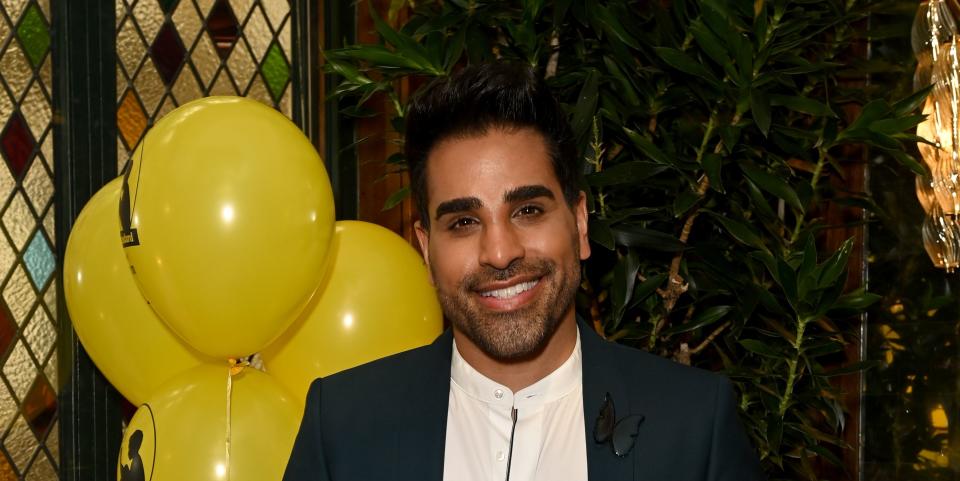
562	381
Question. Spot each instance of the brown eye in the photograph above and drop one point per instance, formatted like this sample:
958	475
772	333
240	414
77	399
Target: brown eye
462	223
529	210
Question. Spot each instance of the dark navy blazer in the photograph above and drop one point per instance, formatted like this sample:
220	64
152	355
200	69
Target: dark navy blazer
387	420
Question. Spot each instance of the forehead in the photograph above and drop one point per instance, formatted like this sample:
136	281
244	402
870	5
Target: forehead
488	164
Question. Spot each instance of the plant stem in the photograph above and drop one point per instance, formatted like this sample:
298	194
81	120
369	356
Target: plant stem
792	367
814	180
711	125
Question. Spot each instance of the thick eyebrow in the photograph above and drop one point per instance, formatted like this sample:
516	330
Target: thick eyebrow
460	204
527	192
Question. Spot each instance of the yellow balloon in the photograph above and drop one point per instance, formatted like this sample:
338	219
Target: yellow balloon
133	348
181	433
228	217
376	300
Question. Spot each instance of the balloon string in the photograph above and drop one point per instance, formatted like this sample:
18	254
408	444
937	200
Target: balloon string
229	396
236	367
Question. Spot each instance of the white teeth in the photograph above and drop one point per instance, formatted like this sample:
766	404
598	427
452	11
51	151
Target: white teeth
512	291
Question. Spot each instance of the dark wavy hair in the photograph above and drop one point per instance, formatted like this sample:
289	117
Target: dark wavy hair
480	97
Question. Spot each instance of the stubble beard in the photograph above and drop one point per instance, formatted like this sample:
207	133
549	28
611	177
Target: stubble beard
521	333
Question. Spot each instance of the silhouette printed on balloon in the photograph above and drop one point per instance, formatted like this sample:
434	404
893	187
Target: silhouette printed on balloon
133	472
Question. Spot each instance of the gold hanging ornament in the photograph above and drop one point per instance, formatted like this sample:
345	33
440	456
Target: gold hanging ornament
934	37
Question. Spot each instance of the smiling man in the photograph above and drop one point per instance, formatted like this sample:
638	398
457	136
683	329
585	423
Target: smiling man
518	388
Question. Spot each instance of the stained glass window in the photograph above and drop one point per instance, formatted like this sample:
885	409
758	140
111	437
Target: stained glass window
172	51
29	447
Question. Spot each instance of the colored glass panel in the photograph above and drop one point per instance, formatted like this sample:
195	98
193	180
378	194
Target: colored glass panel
131	120
17	144
39	260
6	470
167	52
276	71
40	407
8	333
34	34
223	27
173	52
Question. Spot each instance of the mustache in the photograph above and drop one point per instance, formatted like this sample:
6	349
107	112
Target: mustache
520	267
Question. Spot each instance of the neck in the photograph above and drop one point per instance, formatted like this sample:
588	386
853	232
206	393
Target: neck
517	375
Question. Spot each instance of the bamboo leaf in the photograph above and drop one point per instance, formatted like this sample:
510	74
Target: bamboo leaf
634	236
761	348
647	147
586	107
612	26
624	278
396	198
684	63
625	173
712	164
760	106
911	103
740	231
706	317
772	184
802	104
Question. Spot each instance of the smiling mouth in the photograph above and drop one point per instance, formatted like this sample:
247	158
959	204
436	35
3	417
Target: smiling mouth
512	291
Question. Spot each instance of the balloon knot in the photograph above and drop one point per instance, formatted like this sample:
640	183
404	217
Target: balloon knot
238	365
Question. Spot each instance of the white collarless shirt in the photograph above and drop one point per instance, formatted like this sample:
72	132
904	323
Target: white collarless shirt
549	442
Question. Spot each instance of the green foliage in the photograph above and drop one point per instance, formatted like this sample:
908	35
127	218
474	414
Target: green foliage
710	130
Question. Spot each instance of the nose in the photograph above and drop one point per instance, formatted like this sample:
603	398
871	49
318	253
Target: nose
500	245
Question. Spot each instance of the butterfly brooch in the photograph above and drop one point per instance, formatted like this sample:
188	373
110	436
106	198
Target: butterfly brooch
621	434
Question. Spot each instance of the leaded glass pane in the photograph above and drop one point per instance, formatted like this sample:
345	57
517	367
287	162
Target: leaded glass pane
28	334
173	52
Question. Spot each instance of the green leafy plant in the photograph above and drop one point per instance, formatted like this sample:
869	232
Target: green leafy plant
715	134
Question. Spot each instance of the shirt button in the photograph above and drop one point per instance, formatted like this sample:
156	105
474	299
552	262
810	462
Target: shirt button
499	455
498	393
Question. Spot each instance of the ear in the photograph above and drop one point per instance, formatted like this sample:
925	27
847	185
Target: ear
580	213
423	238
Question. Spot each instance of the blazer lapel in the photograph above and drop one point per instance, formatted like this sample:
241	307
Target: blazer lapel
601	375
420	446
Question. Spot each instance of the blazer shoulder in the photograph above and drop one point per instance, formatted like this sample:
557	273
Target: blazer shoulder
390	372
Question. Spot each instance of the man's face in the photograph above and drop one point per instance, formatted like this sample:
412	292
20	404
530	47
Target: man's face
504	247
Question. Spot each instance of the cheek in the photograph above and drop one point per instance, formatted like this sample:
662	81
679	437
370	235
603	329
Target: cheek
449	263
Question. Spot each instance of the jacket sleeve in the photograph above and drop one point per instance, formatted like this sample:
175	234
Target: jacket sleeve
307	461
732	458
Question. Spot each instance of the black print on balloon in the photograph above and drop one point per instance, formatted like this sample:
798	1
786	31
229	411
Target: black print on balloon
620	434
133	471
129	236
